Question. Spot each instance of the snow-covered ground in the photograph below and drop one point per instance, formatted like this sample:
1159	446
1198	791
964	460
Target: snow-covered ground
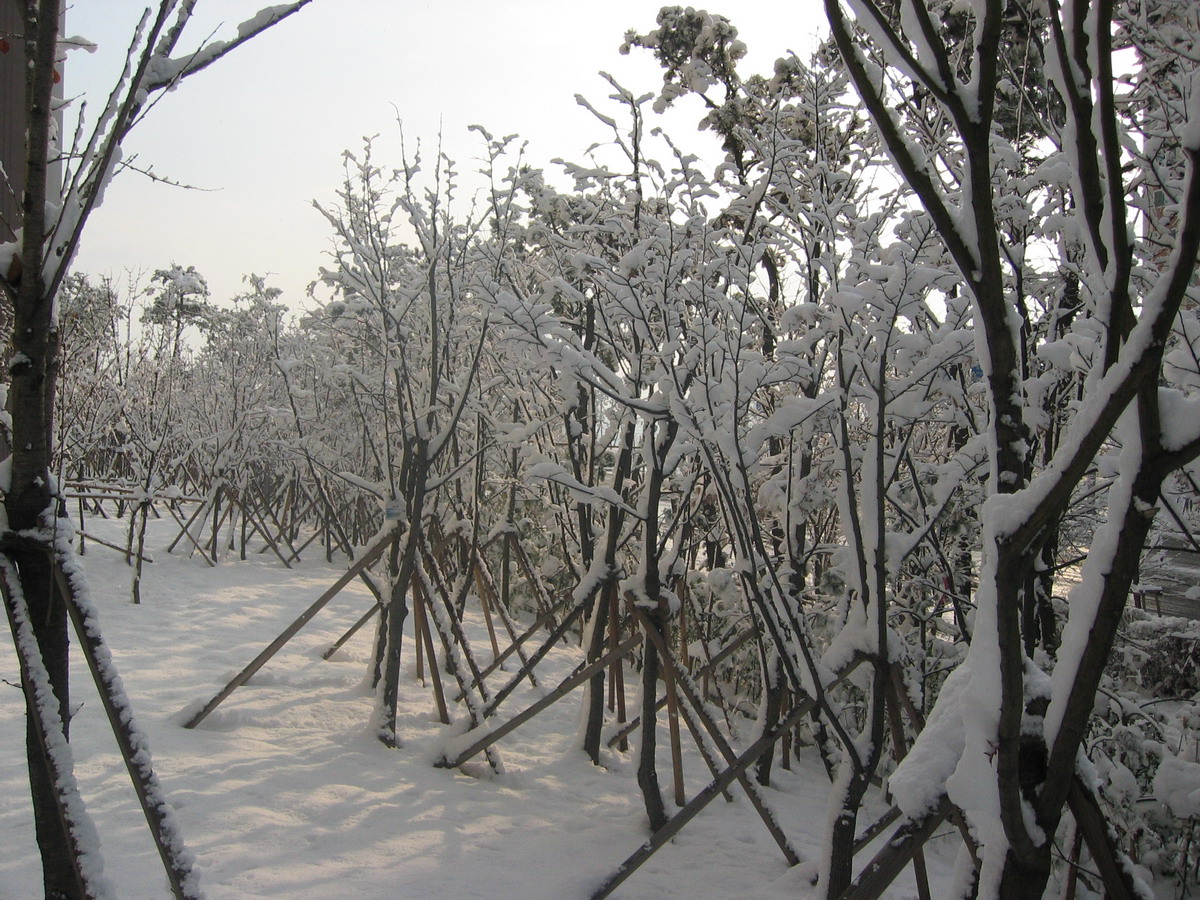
284	793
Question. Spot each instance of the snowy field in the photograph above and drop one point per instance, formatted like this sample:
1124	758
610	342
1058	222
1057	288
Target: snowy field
283	792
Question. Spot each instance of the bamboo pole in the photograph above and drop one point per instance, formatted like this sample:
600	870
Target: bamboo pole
503	693
673	731
485	582
351	631
735	771
185	531
423	638
132	744
725	651
572	681
447	634
896	854
369	556
532	661
46	724
756	798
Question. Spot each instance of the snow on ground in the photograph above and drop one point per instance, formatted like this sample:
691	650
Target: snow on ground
283	792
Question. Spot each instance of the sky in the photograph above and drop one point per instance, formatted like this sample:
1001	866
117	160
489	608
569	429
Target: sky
261	133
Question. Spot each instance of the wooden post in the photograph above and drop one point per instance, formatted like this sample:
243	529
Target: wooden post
350	632
673	729
890	861
503	693
485	582
725	651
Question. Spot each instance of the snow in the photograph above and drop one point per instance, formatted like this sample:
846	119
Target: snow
917	784
284	792
1191	132
1177	786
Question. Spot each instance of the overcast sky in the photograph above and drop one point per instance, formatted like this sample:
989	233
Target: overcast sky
262	131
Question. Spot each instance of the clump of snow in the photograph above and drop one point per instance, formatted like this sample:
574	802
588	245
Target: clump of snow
1177	786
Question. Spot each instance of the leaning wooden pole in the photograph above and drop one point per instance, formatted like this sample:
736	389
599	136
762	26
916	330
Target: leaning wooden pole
722	745
896	854
572	681
372	553
47	725
675	824
184	880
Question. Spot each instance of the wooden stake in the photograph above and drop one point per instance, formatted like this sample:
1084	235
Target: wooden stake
485	605
350	632
726	751
369	556
726	651
185	530
896	854
535	659
581	674
446	631
673	729
503	693
171	851
423	638
487	583
675	824
1109	860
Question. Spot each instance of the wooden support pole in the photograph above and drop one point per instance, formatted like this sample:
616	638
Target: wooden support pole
1089	818
103	543
535	583
710	726
434	582
185	529
706	754
511	686
253	522
876	828
736	771
423	638
369	556
47	725
351	631
896	854
725	652
420	626
446	631
131	743
525	636
673	731
574	680
264	503
486	606
485	582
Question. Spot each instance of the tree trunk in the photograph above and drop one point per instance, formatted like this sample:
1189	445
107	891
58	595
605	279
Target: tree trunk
594	693
647	772
32	350
1023	878
772	707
